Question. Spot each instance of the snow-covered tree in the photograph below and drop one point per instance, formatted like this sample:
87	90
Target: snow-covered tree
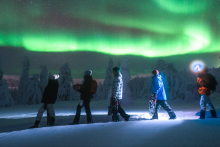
6	99
23	82
30	90
43	78
98	95
33	92
136	87
65	90
107	84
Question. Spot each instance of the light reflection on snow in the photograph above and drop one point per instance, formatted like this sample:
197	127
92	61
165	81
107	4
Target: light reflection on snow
141	115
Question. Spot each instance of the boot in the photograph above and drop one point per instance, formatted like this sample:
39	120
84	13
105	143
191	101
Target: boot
202	114
173	116
213	113
36	124
52	121
90	121
127	119
77	116
155	116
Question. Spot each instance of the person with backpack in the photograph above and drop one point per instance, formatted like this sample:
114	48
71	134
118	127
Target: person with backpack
87	89
159	95
49	98
115	101
205	83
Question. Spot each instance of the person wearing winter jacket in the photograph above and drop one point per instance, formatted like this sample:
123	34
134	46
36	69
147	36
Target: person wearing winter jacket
49	98
115	101
85	97
205	82
158	92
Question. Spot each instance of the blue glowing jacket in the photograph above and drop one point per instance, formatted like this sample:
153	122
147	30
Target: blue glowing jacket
157	86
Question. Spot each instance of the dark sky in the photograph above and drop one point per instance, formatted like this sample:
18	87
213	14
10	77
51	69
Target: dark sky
86	33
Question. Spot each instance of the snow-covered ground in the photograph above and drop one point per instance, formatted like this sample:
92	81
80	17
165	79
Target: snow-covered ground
187	130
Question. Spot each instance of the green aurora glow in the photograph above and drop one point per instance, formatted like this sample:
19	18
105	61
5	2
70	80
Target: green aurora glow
153	29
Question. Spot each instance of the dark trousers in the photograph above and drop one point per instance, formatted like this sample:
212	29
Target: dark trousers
120	110
165	106
88	112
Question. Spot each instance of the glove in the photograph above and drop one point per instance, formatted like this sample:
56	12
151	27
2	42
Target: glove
77	87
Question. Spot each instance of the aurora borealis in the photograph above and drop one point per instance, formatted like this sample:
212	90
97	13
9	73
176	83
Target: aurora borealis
152	28
85	33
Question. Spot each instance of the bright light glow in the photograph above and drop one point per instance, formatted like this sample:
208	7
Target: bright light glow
197	65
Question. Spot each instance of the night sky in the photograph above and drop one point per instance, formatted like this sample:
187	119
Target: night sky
85	33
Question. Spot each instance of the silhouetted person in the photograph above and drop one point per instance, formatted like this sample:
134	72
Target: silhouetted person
87	89
158	92
115	101
206	82
49	98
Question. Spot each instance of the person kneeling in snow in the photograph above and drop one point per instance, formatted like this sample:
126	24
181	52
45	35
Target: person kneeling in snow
115	101
206	82
158	92
49	98
87	89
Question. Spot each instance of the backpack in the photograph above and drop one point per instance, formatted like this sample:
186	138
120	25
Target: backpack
210	81
94	87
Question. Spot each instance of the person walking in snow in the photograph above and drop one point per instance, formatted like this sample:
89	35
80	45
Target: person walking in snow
158	92
49	98
205	83
115	101
87	89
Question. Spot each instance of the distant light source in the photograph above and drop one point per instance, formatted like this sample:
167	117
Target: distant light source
197	66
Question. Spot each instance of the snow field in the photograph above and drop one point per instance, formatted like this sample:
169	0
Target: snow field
187	130
179	133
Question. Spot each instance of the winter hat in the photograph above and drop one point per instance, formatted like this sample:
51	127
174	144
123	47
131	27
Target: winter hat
56	76
155	72
88	73
117	69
